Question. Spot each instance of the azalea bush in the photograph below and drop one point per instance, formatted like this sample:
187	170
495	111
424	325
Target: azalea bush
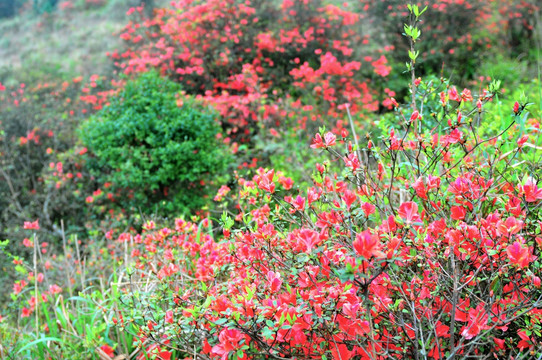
37	127
243	58
38	123
416	234
426	241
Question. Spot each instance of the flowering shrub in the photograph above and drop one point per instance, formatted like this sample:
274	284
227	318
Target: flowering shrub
37	126
426	242
420	239
241	56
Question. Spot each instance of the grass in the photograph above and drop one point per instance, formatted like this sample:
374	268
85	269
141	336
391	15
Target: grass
65	43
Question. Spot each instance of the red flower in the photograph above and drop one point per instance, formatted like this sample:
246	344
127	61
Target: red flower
26	312
349	197
531	192
409	212
454	136
510	226
352	161
34	225
522	140
500	343
286	182
164	355
55	289
476	323
169	317
466	95
516	108
317	142
368	245
229	341
368	209
309	239
108	350
525	342
274	281
452	94
329	140
518	254
419	186
28	243
265	182
443	99
458	212
380	66
433	182
168	270
415	116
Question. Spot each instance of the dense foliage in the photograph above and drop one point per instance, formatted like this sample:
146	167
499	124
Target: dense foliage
458	34
153	145
249	59
36	129
377	208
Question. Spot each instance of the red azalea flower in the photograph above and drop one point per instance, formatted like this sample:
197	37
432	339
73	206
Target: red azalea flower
169	317
409	212
518	254
229	341
34	225
531	191
458	212
367	245
516	108
108	350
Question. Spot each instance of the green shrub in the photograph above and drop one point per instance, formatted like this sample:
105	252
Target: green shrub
7	8
44	6
153	153
10	8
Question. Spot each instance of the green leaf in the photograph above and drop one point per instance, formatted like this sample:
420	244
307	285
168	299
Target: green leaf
39	341
270	323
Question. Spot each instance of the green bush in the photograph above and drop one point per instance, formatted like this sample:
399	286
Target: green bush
155	154
44	6
7	8
10	8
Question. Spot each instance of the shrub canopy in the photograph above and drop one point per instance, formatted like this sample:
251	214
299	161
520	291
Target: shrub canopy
148	143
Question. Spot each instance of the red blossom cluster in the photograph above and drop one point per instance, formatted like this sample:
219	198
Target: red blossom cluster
242	57
424	243
384	259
